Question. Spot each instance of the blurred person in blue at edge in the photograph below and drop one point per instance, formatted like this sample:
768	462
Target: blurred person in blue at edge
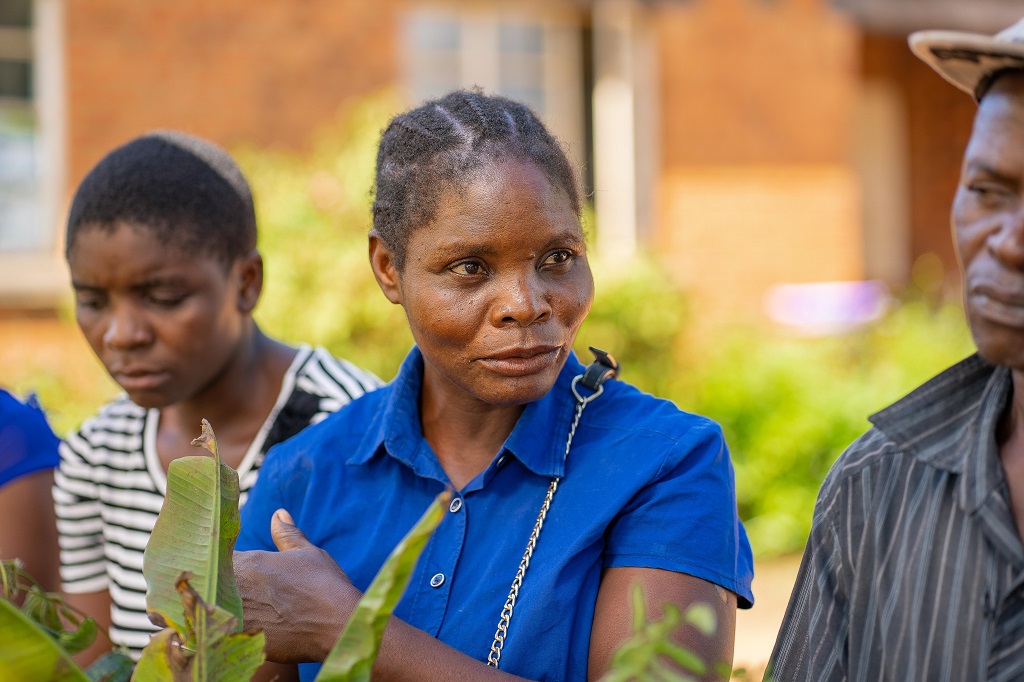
28	455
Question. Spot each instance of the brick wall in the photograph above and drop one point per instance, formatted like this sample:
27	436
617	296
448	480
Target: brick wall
753	81
939	119
756	186
231	70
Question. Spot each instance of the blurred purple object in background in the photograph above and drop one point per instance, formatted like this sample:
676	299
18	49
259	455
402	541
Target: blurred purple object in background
824	308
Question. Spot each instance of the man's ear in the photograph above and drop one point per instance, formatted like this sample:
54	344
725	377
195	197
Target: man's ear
250	279
384	269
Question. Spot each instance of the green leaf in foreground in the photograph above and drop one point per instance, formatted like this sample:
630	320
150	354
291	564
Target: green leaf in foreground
9	578
355	651
195	533
73	641
30	653
219	652
163	660
643	656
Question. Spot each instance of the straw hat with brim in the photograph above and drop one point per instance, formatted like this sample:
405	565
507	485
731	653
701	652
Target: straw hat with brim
970	60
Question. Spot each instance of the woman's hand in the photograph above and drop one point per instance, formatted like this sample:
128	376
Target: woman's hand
298	596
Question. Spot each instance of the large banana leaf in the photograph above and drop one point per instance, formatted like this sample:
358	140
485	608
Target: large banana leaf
27	652
356	649
217	651
195	533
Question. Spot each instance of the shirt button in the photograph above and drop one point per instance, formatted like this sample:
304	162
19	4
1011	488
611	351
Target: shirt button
456	505
437	580
501	461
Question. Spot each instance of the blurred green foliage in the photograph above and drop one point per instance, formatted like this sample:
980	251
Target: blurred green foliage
314	214
788	405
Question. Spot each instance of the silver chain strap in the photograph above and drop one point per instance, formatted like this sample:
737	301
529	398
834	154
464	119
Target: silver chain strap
506	613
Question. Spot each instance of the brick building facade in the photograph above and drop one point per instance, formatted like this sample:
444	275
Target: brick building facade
751	143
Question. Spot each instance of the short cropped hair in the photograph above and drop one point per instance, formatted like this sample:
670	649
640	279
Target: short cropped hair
440	145
188	191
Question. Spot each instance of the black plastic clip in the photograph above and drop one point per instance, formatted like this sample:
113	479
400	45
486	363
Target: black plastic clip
603	368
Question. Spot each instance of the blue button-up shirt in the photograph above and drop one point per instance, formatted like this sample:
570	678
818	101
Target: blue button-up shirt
645	485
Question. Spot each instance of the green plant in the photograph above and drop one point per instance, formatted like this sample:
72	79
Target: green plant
191	587
314	217
788	406
641	658
40	637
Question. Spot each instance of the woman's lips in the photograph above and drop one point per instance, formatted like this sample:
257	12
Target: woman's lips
140	380
522	361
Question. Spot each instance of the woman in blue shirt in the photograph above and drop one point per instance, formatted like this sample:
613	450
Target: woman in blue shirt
28	455
477	235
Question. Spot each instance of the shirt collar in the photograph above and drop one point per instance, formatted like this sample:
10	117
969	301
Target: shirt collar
538	439
950	423
396	426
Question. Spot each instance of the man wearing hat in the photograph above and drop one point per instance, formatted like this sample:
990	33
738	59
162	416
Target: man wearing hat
914	569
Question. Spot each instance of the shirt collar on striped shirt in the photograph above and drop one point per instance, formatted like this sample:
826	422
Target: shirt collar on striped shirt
950	423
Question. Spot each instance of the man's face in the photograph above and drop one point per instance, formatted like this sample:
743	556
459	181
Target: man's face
988	224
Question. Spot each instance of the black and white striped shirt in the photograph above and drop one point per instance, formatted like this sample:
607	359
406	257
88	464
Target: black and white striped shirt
110	484
914	569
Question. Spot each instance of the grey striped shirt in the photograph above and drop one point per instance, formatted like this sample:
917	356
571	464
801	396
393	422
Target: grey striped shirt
914	569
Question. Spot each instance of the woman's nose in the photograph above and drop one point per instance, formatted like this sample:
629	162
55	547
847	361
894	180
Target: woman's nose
523	301
127	329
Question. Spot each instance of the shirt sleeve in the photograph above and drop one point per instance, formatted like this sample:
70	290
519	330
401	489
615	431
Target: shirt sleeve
79	519
813	641
685	519
27	444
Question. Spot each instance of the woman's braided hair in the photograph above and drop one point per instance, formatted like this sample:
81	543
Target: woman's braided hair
440	144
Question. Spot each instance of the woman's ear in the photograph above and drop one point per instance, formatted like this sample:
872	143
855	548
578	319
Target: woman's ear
384	269
250	280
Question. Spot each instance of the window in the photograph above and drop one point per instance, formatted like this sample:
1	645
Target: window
31	152
531	53
19	172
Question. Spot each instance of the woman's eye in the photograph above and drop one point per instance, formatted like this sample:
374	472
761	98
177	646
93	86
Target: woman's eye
467	268
166	301
560	257
90	303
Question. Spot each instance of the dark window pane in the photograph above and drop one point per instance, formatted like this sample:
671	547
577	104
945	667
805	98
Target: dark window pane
15	79
16	13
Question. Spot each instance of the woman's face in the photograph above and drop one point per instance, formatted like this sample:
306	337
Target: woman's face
164	321
495	287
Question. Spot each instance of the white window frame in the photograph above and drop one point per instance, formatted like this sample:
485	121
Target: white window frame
479	58
38	279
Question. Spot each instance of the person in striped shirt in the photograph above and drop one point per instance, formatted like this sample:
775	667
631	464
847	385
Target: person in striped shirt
914	569
161	246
